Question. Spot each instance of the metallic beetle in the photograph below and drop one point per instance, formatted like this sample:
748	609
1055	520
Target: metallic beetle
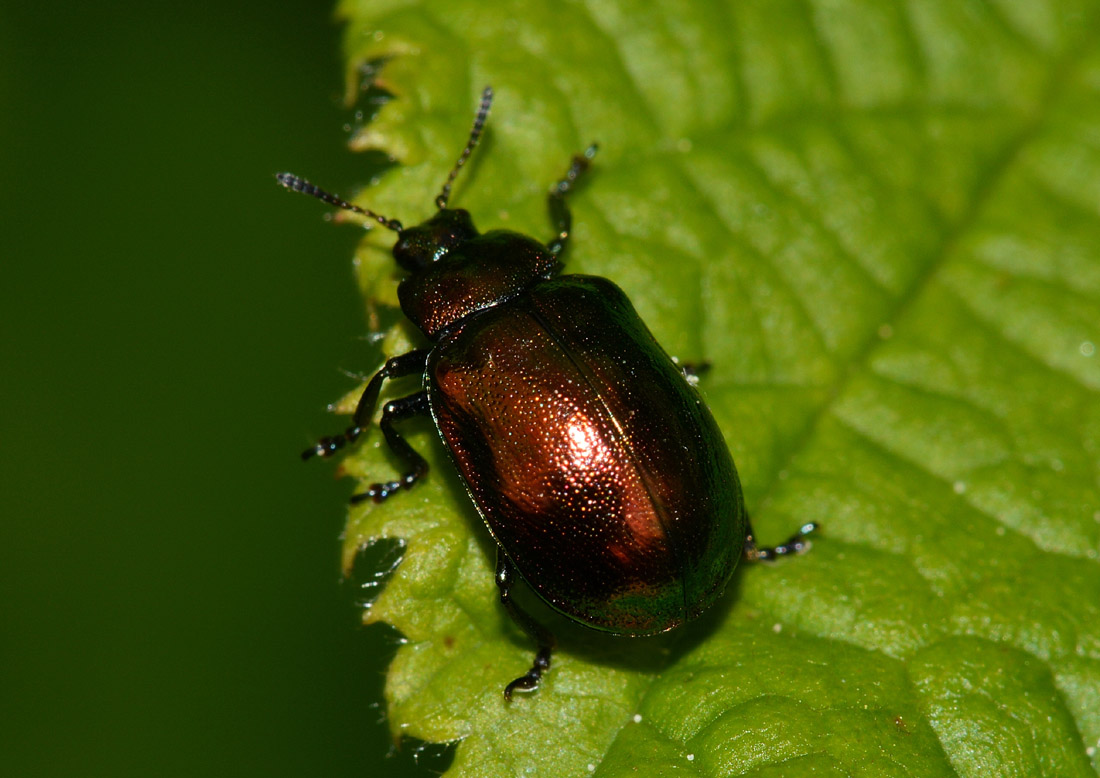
598	470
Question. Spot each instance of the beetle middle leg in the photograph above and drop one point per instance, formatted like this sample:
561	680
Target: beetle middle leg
506	578
395	367
795	544
559	211
392	412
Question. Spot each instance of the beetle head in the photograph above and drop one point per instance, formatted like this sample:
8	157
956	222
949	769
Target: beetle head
419	246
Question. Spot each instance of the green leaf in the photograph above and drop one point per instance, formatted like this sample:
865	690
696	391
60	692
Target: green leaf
881	224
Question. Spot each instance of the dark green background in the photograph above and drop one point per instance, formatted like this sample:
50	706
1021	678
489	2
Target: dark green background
172	327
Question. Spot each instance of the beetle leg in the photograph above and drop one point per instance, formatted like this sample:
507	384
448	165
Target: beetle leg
795	544
396	367
506	577
394	411
559	211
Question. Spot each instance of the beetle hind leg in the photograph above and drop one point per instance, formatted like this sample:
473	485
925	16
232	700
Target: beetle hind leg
795	544
529	681
392	412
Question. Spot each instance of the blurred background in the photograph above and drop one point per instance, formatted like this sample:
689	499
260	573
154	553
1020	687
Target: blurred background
173	324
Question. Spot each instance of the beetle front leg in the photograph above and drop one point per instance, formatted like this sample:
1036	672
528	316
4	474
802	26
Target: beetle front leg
392	412
506	577
795	544
559	211
396	367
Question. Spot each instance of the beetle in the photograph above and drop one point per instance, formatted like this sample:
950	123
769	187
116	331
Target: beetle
598	470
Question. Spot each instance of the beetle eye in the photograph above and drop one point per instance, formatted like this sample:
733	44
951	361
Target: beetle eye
409	251
419	246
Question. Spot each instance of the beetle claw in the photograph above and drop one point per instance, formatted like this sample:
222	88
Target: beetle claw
529	681
329	445
525	683
382	491
376	492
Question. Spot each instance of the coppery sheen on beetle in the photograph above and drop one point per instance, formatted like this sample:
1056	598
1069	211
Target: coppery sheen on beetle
594	462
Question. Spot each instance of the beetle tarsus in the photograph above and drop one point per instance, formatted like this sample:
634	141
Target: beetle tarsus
329	445
529	681
795	544
559	211
377	492
380	492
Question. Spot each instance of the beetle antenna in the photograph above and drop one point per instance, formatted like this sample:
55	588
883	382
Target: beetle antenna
475	136
295	184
